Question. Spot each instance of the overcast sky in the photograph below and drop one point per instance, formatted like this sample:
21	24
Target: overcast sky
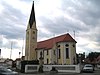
53	17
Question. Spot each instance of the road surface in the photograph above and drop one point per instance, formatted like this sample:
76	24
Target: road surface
96	72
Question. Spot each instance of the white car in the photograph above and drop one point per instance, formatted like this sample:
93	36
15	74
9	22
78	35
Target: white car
88	68
6	71
98	66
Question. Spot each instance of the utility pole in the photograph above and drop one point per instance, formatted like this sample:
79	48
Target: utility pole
0	53
11	49
23	46
74	34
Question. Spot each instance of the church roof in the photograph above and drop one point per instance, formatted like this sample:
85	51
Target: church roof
32	16
48	44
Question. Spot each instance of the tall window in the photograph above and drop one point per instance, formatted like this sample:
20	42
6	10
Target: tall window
47	52
47	61
41	54
67	52
59	54
54	52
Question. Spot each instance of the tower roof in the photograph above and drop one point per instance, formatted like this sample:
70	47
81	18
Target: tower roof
32	16
47	44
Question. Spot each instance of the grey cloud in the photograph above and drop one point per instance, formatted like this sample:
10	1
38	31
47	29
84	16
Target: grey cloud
87	11
12	25
8	45
12	22
61	25
42	35
95	2
84	10
30	1
26	0
0	43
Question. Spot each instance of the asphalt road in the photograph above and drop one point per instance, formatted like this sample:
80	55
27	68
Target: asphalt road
96	72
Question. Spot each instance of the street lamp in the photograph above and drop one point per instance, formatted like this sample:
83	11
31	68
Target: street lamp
79	58
19	54
80	61
41	63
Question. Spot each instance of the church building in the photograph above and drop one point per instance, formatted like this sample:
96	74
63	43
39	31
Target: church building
57	50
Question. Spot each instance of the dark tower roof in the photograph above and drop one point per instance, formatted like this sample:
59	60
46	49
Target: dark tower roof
32	16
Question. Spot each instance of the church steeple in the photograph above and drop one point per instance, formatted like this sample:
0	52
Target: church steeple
31	37
32	16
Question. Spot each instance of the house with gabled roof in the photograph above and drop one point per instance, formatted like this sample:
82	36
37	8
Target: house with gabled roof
57	50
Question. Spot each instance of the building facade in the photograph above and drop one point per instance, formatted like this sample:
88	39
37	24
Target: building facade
57	50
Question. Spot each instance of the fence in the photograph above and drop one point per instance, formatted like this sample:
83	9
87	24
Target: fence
60	68
31	68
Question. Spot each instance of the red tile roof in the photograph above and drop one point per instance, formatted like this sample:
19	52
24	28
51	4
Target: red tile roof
47	44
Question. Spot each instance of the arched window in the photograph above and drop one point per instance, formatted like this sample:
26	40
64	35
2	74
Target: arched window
67	45
58	46
73	45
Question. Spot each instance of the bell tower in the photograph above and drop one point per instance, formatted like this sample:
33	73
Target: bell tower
31	37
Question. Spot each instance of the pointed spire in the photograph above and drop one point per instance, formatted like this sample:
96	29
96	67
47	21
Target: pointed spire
32	16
